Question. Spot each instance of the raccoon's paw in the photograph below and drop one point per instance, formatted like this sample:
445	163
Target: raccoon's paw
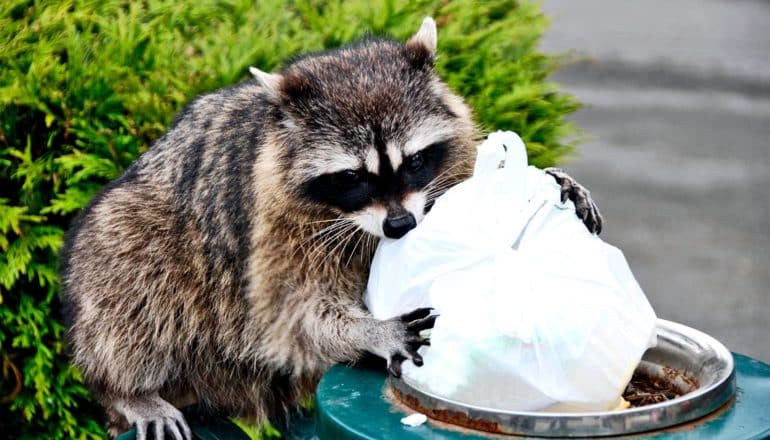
152	413
585	207
401	338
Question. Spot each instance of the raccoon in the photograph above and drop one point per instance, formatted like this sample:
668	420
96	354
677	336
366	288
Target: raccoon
226	265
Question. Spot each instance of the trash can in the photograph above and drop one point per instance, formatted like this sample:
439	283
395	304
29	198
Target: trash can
732	401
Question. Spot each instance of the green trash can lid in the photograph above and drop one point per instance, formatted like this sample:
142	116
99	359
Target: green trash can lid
352	403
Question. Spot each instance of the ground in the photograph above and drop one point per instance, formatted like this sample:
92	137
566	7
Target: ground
677	96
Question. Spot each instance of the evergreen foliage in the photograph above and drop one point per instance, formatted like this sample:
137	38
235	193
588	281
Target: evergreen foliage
86	86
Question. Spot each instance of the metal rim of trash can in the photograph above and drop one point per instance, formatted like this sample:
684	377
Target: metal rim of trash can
679	347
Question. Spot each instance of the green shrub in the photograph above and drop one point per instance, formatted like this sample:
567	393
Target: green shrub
86	86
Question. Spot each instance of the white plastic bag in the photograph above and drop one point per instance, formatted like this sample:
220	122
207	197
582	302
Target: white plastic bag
536	313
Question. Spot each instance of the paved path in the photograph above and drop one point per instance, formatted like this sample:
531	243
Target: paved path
677	96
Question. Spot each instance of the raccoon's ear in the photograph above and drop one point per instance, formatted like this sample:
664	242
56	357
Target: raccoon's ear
421	48
268	81
295	86
426	36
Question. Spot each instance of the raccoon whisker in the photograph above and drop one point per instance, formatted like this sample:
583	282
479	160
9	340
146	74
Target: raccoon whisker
355	246
326	230
372	242
337	221
444	178
348	239
433	197
332	235
364	246
350	231
367	247
437	191
344	229
440	185
444	174
440	180
328	220
335	239
329	229
321	247
312	256
451	168
323	237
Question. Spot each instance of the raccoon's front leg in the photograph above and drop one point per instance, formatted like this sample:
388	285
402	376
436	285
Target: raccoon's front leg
151	412
343	332
585	207
398	339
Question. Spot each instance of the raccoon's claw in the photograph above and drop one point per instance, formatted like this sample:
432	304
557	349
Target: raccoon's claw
160	428
417	322
394	365
416	314
585	208
414	322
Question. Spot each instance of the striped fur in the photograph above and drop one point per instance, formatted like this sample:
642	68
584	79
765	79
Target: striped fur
203	273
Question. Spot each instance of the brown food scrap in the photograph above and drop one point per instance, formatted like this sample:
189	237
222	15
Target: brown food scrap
645	390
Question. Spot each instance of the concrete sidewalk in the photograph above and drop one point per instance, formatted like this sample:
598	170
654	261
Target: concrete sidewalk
677	107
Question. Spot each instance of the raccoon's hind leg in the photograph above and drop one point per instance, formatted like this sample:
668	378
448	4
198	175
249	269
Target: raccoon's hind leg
151	412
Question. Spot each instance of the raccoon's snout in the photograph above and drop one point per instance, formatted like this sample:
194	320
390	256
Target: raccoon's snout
397	227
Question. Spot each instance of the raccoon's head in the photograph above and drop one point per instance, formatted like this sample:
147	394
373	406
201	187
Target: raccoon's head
368	133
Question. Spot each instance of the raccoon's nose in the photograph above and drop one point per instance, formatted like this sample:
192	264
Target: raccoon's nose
397	227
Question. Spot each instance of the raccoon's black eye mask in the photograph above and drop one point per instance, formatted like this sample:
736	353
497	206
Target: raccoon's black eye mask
420	168
353	190
348	190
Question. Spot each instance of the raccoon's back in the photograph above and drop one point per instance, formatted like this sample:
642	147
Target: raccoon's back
160	252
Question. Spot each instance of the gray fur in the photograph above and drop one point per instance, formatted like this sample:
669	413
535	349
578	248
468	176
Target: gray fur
196	277
207	274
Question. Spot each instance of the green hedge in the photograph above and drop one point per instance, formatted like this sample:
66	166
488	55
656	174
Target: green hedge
86	86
